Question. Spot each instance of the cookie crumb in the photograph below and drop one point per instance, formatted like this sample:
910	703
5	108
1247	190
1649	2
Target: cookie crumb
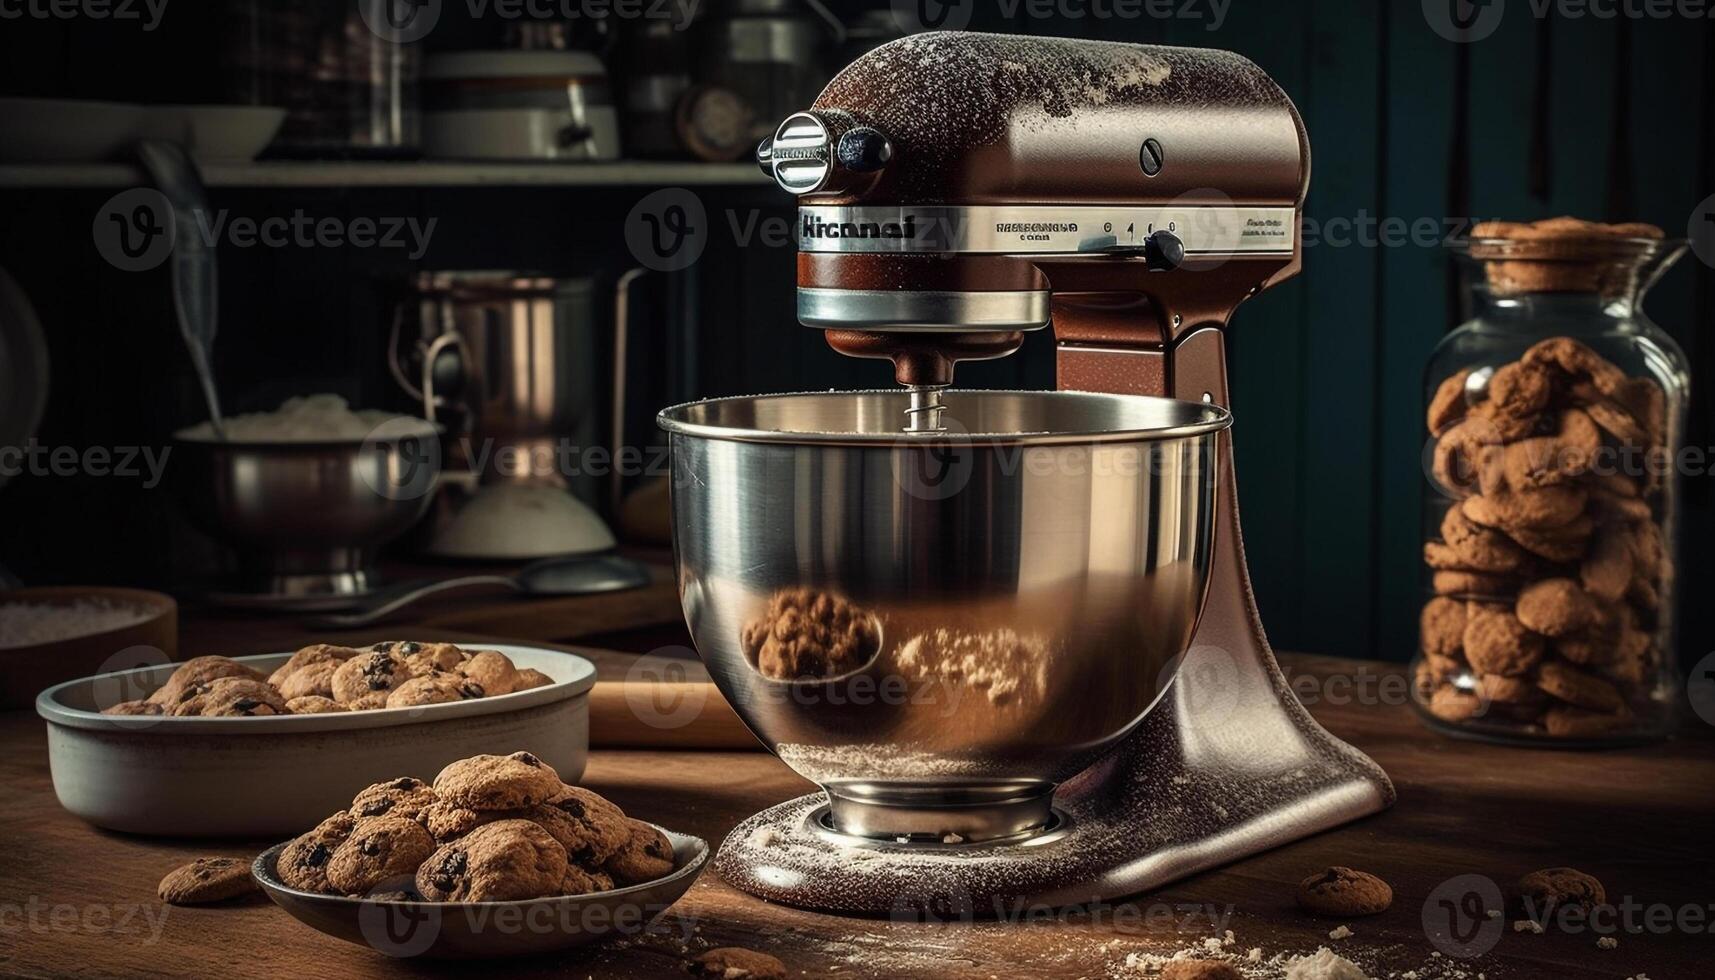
1340	932
1607	942
1528	925
1324	964
738	963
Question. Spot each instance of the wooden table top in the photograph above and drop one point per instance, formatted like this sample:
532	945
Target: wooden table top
76	901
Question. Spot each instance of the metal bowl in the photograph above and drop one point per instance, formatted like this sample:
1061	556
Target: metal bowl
305	519
1035	573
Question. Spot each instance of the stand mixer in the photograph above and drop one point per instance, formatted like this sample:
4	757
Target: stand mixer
1015	577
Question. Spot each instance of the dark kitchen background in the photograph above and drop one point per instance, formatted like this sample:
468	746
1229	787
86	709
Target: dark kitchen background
1609	119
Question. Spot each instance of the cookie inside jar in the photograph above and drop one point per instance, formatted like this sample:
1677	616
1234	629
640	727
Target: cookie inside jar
1554	425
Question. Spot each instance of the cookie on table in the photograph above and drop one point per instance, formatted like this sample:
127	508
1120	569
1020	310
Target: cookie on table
502	861
303	863
498	782
378	850
231	697
492	671
319	653
314	705
209	879
1199	970
198	672
738	963
375	672
645	856
405	797
1344	892
1555	888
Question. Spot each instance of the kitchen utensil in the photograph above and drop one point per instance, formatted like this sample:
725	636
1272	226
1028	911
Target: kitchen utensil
346	73
518	105
507	359
278	775
215	133
306	518
196	284
66	130
577	575
152	637
654	70
486	930
1053	182
774	54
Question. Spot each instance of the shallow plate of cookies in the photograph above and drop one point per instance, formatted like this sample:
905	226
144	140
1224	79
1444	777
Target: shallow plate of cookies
241	746
496	856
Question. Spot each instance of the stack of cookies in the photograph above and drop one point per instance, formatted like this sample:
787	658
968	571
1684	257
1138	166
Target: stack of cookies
1551	565
489	829
324	677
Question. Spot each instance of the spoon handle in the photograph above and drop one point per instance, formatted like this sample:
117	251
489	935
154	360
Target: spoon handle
373	614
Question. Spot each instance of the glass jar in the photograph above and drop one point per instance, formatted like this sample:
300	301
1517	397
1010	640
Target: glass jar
1555	417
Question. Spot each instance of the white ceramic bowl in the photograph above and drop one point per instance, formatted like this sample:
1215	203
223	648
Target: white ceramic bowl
273	776
215	133
66	130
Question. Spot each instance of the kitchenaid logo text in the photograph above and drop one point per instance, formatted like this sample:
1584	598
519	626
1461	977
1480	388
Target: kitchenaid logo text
147	12
815	227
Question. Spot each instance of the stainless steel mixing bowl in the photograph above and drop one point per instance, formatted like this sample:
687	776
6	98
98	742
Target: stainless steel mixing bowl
939	628
306	519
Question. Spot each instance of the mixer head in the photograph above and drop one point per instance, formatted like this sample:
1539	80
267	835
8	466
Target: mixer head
959	190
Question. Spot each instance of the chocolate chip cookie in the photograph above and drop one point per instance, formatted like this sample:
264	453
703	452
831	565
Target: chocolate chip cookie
133	708
426	689
376	672
530	677
231	697
1443	627
1555	888
314	705
378	850
591	828
198	672
432	658
209	879
405	797
303	863
1545	507
502	861
491	671
645	856
310	680
498	782
319	653
1344	892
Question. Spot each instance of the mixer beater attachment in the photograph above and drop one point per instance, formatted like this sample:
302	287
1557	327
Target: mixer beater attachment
925	412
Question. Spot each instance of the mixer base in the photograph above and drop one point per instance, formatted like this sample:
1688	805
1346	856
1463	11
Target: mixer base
1228	765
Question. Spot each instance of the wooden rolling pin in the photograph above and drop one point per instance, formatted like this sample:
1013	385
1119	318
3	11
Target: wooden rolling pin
662	714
